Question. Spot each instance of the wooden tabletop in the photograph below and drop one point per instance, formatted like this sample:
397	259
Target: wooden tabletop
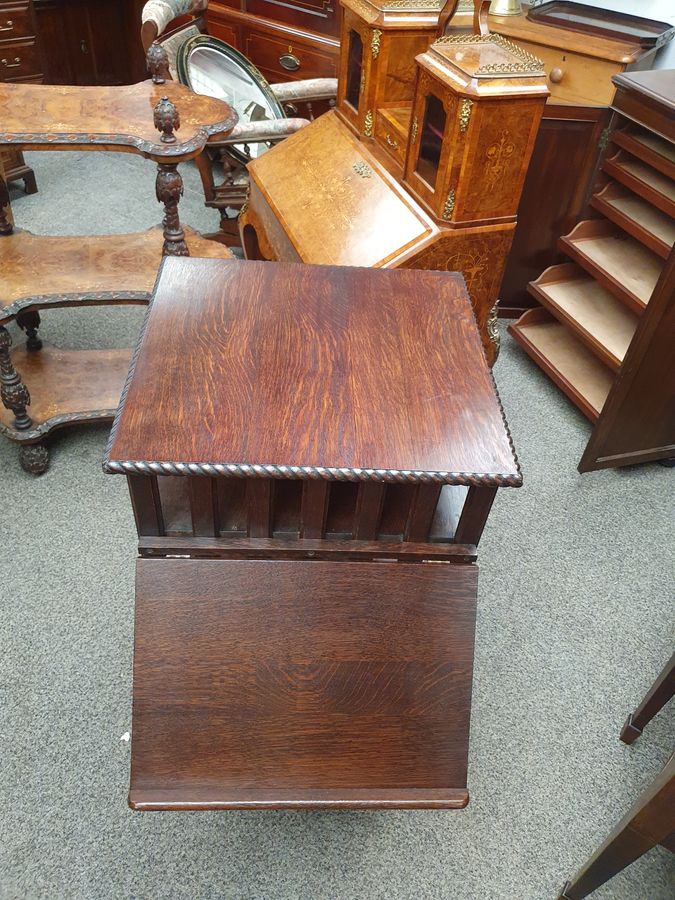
39	117
256	369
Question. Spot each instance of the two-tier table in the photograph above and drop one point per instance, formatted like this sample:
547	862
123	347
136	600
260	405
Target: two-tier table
312	453
44	388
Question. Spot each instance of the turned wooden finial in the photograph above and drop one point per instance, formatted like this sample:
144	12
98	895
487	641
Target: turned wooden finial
166	120
157	61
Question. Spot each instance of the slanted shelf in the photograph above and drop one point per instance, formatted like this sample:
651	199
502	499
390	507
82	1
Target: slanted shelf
601	321
564	358
655	187
636	217
620	263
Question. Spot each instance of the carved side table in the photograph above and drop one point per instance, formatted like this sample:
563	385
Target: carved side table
312	453
167	123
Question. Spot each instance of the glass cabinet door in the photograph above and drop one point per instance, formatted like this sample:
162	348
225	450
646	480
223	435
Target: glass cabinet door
431	140
354	69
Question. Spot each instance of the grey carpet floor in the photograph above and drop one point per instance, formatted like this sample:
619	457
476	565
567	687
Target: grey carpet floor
575	621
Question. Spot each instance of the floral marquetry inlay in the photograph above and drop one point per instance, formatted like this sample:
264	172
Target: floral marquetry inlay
498	156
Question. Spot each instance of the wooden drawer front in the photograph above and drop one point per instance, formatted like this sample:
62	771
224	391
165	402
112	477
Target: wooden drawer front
15	21
267	53
576	79
224	32
19	59
388	138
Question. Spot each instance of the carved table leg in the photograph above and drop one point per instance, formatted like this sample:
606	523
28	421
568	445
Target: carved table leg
29	321
34	458
13	391
169	191
169	182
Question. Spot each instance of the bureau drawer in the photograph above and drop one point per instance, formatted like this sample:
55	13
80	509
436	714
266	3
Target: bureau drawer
15	21
19	59
576	79
286	60
389	136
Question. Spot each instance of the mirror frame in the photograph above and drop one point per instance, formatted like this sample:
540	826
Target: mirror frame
230	53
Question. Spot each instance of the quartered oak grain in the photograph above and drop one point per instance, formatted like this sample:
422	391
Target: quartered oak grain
327	692
312	366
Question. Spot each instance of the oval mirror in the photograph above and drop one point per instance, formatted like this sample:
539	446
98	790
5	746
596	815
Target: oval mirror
210	66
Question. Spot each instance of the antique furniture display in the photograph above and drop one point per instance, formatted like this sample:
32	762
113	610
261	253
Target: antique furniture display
604	330
212	67
48	388
660	693
294	646
429	180
580	63
650	822
20	61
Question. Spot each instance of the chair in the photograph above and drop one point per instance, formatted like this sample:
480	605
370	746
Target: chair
187	54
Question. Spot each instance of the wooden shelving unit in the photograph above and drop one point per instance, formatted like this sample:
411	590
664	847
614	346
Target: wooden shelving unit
43	388
600	333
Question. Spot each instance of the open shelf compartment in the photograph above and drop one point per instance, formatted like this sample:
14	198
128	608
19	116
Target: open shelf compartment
620	263
601	321
565	359
636	217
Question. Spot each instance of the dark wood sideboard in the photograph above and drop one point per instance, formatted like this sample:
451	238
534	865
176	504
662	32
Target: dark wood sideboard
91	41
286	41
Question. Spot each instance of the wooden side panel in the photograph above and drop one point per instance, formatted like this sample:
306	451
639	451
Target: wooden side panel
301	683
637	422
480	255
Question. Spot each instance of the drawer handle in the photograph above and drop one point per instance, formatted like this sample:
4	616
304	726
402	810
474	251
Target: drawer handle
8	27
392	144
8	65
289	62
556	75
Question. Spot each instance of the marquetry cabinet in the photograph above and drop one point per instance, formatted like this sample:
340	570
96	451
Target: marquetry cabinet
44	388
604	331
306	593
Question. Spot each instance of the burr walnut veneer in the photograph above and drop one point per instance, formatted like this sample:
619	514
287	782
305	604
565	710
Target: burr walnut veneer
312	453
44	389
